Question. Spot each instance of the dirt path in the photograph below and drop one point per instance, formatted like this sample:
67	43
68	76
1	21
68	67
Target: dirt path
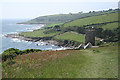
100	65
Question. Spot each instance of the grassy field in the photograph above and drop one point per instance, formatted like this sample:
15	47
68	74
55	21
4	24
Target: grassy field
93	20
62	18
99	62
79	22
71	36
38	33
52	25
110	26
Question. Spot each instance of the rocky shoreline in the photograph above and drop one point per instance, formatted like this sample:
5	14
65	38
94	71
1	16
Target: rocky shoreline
36	39
65	44
47	40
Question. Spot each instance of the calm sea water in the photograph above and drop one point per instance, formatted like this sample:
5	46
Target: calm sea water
10	27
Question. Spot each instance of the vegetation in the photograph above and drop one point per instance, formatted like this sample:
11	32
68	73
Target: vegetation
110	26
62	18
38	33
105	25
27	51
93	20
52	25
34	63
11	53
71	36
65	64
108	35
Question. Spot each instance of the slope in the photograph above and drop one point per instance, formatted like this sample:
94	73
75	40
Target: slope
112	17
62	18
99	62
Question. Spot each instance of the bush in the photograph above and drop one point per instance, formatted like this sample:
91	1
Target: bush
30	51
11	62
10	53
99	43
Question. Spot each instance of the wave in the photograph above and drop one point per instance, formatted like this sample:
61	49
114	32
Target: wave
40	43
16	40
2	35
12	33
49	48
52	45
34	28
19	30
62	48
30	30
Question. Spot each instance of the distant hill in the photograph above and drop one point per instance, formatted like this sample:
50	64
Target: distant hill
62	18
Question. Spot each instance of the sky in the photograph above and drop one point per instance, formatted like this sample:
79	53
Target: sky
29	9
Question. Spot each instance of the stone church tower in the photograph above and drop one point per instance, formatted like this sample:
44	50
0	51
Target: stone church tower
90	37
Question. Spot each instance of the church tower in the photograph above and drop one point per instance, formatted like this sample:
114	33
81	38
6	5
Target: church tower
90	36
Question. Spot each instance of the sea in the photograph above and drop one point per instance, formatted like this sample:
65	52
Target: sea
9	26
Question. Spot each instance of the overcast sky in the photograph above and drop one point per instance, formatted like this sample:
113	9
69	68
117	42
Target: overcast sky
24	9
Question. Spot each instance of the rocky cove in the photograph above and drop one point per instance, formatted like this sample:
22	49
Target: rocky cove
48	40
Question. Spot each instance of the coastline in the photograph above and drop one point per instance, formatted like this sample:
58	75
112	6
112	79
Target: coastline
38	39
32	23
27	38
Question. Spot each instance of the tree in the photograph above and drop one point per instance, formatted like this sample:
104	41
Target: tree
70	13
80	12
57	27
26	51
90	12
110	10
98	32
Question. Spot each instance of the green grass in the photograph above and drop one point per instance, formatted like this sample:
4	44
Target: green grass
110	26
93	20
79	22
99	62
38	33
52	25
71	36
62	18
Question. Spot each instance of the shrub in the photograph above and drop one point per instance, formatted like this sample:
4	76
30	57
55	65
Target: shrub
11	62
10	53
99	42
30	51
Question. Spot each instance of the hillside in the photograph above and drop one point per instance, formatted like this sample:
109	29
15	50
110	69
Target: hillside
62	18
112	17
106	27
110	26
99	62
71	36
38	33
